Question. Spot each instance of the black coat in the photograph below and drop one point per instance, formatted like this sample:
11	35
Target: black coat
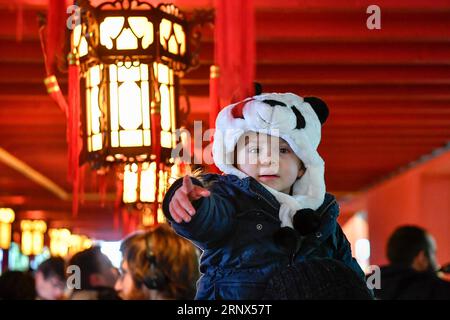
400	283
234	227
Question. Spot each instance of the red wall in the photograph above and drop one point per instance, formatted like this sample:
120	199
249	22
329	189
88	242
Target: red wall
419	196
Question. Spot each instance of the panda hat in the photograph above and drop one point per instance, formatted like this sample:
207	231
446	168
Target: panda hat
295	119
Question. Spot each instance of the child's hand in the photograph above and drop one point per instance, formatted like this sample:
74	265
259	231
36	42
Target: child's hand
180	206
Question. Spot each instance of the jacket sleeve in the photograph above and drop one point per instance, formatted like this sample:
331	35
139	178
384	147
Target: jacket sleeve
212	221
344	252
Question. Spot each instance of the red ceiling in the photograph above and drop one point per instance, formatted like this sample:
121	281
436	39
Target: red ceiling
388	91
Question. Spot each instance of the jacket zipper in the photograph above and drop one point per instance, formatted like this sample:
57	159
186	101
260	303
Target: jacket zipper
259	197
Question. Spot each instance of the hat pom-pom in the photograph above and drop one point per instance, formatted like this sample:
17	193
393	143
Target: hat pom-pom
306	221
286	238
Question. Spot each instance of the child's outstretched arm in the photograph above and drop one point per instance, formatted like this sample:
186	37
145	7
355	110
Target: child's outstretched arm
180	206
197	213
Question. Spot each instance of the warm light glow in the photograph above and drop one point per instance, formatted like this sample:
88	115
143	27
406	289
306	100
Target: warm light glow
83	49
93	113
59	242
6	218
146	179
162	188
160	217
147	218
165	107
142	28
87	243
129	99
181	37
174	41
126	38
130	183
165	28
130	105
32	236
5	235
7	215
76	35
27	243
110	29
79	42
148	182
120	93
167	95
79	243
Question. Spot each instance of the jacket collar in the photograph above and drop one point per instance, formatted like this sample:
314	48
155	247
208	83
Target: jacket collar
251	186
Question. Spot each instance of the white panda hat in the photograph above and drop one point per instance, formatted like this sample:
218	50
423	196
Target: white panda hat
295	119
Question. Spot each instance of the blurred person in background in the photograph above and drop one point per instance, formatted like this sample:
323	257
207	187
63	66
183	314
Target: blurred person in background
412	272
157	265
97	276
50	278
17	285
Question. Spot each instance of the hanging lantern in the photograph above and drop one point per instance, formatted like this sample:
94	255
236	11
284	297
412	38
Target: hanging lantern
148	218
141	190
6	219
144	188
139	183
131	55
59	241
32	236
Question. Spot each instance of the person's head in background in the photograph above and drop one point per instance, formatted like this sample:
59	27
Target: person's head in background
157	264
50	279
17	285
414	247
96	270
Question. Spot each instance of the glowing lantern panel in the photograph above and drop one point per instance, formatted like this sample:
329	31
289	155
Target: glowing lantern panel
6	219
32	236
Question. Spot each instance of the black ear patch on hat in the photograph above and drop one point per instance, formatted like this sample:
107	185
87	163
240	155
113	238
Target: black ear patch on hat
300	119
258	88
319	106
274	103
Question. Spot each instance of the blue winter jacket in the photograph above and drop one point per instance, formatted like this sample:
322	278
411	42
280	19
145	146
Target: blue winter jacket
234	228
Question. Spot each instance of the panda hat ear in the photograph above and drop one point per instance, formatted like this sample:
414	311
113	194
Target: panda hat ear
320	108
258	88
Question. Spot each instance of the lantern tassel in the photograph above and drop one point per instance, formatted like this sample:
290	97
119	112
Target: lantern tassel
117	202
125	222
50	80
73	132
56	18
102	186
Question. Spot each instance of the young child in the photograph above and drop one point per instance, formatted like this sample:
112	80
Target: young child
269	209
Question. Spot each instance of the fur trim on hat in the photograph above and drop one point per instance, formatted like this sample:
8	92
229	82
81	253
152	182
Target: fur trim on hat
295	119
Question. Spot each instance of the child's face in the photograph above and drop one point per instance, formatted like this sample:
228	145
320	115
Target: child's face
268	159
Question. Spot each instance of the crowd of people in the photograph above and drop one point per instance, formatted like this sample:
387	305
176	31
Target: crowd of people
266	228
158	264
